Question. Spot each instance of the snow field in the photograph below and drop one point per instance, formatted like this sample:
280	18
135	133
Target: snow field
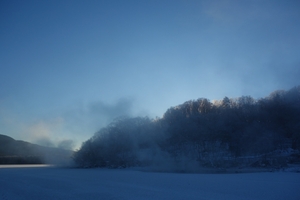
69	183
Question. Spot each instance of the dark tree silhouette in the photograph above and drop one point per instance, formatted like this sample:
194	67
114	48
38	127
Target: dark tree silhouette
220	134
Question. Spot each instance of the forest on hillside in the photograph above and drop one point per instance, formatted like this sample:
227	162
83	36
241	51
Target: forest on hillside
232	132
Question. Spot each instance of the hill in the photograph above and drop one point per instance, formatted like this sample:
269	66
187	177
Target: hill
233	132
20	152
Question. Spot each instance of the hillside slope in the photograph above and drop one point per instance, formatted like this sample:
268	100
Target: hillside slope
232	132
20	152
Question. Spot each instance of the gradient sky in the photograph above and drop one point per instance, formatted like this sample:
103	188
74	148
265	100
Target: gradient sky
69	67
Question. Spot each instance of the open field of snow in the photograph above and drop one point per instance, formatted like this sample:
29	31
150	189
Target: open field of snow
67	183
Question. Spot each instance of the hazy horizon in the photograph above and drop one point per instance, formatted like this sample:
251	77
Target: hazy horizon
69	67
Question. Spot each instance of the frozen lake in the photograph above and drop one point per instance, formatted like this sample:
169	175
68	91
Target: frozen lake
65	183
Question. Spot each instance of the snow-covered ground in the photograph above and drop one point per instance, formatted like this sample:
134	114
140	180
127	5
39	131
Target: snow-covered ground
67	183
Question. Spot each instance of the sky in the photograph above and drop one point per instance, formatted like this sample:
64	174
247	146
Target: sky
68	68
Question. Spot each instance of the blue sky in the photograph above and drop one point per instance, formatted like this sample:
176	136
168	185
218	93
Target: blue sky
67	68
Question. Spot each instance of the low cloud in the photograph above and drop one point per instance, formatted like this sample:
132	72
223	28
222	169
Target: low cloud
69	128
50	133
66	144
108	112
47	142
78	124
87	119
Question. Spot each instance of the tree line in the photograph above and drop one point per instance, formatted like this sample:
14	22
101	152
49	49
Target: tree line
201	133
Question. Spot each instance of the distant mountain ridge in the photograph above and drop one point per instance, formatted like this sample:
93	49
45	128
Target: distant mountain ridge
21	152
